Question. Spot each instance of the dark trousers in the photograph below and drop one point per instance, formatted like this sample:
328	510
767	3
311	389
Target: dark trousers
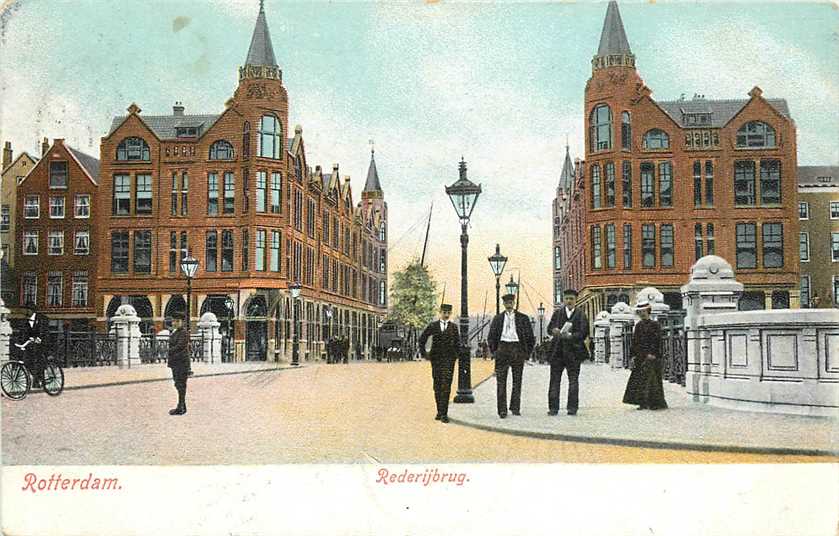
509	356
34	360
442	371
180	376
572	366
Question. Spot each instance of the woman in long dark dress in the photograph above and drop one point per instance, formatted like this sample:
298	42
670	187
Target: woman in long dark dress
645	387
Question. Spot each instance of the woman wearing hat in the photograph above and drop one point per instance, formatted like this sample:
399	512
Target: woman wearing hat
645	387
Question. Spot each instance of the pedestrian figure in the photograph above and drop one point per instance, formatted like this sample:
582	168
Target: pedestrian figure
345	349
35	332
645	387
445	344
569	327
511	340
179	360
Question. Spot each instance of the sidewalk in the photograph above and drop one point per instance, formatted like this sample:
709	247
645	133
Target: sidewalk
603	418
90	377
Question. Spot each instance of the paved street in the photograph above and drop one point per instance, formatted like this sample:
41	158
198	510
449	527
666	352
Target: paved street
358	413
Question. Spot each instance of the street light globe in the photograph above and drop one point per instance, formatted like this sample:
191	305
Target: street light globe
512	287
541	309
189	266
497	262
463	194
295	288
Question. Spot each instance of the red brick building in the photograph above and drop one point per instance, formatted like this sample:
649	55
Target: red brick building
56	251
235	190
666	182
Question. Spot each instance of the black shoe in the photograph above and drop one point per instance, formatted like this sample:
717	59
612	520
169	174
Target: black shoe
517	413
553	412
175	411
642	407
572	412
444	419
502	415
438	417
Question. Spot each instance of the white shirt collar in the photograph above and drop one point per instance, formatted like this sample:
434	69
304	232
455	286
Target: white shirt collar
569	311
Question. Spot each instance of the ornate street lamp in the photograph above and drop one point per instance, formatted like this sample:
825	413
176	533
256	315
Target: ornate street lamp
295	288
541	312
512	287
189	266
497	262
464	194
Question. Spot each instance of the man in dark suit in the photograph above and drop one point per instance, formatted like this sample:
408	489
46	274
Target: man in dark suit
569	327
510	340
35	334
179	360
445	345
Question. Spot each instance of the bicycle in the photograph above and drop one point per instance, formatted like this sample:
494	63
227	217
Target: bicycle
16	378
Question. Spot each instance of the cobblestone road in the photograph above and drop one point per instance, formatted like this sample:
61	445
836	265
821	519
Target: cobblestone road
357	413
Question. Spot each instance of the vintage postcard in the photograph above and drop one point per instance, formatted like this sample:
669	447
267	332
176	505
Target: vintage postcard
373	268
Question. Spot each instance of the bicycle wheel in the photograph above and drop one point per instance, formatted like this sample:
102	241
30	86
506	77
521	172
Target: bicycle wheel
53	379
14	380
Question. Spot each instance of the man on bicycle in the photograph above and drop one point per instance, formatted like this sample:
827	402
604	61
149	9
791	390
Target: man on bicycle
35	332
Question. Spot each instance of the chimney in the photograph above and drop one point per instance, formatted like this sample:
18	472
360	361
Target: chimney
45	146
7	154
346	179
178	108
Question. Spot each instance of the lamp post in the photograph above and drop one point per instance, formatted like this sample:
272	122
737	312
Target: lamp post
497	263
189	266
464	194
230	306
512	287
541	312
294	288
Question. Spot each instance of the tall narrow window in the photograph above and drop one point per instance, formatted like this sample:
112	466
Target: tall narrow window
246	140
667	245
298	211
627	246
55	289
5	217
184	194
744	182
119	252
57	207
275	251
212	194
648	245
773	245
596	248
697	241
709	183
211	257
665	180
227	250
610	184
709	231
626	131
81	243
803	210
746	236
174	196
270	137
770	182
647	185
325	272
245	250
82	206
173	252
804	247
246	198
611	239
261	179
30	288
229	193
142	252
260	250
600	132
325	227
697	183
627	184
144	194
276	192
805	292
58	174
79	290
122	195
834	247
55	243
595	186
32	207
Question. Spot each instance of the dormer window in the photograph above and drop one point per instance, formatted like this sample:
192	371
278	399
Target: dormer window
186	132
756	134
133	149
221	150
697	119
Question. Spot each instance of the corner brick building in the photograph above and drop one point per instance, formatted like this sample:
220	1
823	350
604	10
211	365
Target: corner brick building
818	214
666	182
235	191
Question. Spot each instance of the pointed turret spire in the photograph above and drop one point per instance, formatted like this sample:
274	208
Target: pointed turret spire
614	46
261	52
372	184
567	175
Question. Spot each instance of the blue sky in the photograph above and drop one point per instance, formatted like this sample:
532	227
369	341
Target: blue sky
499	83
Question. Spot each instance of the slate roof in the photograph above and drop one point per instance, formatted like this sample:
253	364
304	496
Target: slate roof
722	111
164	125
808	176
89	163
261	52
613	39
372	184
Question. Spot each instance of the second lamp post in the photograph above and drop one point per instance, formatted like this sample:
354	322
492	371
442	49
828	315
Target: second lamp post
294	288
464	194
497	263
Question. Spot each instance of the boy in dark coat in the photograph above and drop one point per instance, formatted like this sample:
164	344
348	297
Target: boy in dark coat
179	360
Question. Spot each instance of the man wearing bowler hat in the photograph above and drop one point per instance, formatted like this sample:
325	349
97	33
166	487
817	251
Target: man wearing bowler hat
445	344
569	327
510	340
179	360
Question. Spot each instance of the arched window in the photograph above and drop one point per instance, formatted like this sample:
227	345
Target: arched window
756	134
221	150
626	131
270	137
133	149
298	167
656	139
600	129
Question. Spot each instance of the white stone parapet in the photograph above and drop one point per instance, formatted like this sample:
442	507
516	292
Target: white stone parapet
5	332
126	325
621	320
208	327
601	337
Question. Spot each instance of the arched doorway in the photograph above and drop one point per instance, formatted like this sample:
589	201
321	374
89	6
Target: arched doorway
141	304
225	310
176	304
256	342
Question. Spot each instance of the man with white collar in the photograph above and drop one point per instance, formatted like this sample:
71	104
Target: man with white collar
569	327
445	345
511	341
35	331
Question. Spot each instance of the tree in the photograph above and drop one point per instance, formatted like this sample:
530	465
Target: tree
413	297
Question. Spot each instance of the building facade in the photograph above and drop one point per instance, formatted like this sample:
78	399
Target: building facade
667	182
818	214
236	192
12	173
54	237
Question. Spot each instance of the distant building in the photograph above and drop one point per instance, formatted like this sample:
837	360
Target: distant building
13	171
666	182
818	215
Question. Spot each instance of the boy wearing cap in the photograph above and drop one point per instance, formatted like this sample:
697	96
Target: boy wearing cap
645	387
569	327
179	360
511	341
445	344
